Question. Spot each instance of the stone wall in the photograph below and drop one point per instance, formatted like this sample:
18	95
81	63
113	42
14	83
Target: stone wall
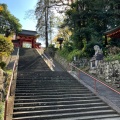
109	71
83	62
78	63
62	61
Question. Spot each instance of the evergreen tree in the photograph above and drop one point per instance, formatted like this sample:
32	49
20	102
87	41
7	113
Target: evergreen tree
88	20
8	22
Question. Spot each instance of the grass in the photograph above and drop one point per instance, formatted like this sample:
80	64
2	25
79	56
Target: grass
9	72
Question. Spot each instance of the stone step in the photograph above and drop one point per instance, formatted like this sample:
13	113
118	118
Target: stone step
55	96
56	114
54	107
51	89
43	87
45	79
55	93
46	92
95	117
57	100
52	104
48	83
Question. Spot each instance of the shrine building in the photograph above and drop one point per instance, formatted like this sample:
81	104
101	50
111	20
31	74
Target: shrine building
27	39
113	33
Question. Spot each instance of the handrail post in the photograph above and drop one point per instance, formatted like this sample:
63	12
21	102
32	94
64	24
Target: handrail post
95	87
5	111
68	67
79	74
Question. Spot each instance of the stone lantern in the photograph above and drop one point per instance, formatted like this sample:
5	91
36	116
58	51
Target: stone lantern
60	40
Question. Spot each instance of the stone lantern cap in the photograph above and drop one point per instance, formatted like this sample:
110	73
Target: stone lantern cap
60	40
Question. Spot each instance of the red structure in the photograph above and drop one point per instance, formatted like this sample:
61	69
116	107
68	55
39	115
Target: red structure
114	33
27	39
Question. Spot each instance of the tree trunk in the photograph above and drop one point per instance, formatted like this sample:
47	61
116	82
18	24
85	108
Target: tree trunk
46	23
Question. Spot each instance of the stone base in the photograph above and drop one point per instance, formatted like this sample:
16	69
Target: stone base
92	71
108	81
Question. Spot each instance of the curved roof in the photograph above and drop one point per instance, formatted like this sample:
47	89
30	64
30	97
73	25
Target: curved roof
115	32
29	33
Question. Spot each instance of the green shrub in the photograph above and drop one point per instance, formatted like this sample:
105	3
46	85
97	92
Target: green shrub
6	46
64	53
75	53
52	47
1	110
112	57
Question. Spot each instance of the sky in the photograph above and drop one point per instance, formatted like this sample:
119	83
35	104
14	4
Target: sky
18	8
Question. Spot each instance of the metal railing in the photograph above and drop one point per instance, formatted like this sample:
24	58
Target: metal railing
10	85
78	71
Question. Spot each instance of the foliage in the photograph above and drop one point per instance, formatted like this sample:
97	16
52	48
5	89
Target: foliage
63	33
64	53
1	110
112	50
2	65
45	14
8	22
68	46
6	46
114	42
9	72
88	20
75	53
51	46
112	57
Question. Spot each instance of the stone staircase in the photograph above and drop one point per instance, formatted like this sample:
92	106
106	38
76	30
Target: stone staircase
31	60
42	94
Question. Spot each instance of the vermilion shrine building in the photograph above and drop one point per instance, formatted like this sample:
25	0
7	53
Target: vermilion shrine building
27	39
114	33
